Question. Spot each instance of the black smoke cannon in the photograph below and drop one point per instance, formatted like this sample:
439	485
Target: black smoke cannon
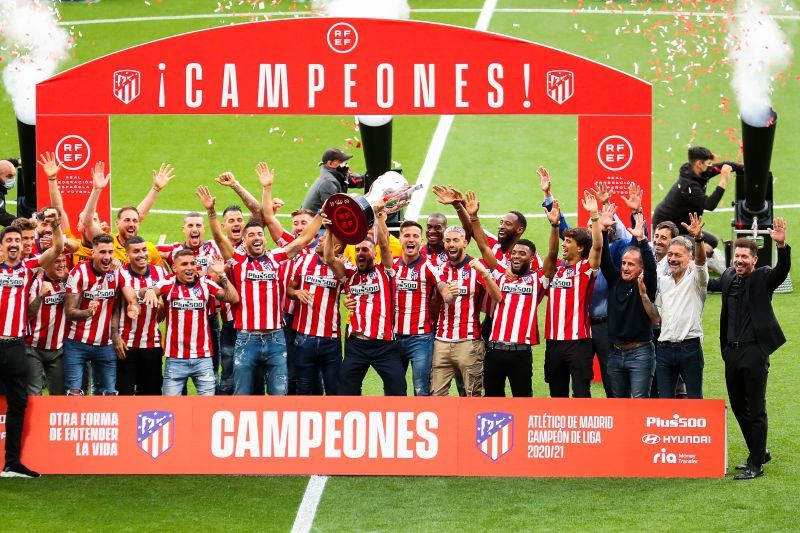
26	179
753	207
376	138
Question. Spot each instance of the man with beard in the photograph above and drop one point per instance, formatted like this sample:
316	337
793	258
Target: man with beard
434	240
91	292
415	289
26	228
631	315
137	340
515	326
371	338
16	277
568	353
688	194
128	217
681	296
232	226
46	339
315	290
662	237
260	341
458	348
749	333
186	297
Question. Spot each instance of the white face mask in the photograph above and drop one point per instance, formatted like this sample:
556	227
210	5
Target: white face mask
10	183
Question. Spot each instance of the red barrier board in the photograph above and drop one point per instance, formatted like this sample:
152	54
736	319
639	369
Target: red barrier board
376	436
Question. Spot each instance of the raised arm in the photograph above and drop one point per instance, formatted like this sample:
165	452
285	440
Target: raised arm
778	274
590	204
649	273
209	202
383	237
227	179
305	238
99	182
48	162
161	178
266	177
336	265
452	196
695	229
554	217
52	253
472	206
489	282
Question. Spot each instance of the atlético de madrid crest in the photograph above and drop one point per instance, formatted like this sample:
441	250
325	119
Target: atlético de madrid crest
494	434
127	84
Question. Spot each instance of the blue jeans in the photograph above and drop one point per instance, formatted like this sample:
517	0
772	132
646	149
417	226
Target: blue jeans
314	356
684	359
631	371
227	340
104	367
417	350
254	350
178	371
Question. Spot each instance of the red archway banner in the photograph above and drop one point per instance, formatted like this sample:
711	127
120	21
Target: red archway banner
355	66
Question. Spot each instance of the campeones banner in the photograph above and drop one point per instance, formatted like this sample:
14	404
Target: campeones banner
376	436
324	66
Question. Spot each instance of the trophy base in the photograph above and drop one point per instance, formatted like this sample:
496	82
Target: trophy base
350	216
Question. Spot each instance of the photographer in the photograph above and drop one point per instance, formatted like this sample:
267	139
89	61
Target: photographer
334	177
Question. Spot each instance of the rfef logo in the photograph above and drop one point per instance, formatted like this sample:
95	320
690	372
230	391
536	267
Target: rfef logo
495	434
342	38
127	84
560	85
155	432
615	152
73	152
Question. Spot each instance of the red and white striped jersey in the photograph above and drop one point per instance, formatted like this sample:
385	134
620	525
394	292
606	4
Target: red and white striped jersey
568	296
227	310
188	334
15	282
288	268
204	255
373	291
321	317
515	318
261	293
505	257
142	332
90	285
414	287
47	326
460	319
437	259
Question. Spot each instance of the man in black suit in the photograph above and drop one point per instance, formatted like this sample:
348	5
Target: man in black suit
749	333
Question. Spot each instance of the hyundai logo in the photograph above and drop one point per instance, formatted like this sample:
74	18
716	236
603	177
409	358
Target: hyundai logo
651	439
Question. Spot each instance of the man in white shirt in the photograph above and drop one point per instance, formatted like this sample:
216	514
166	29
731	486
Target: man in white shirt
680	300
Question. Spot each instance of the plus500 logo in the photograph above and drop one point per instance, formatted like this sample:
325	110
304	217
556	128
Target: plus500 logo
675	422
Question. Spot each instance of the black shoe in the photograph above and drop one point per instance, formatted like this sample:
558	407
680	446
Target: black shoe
19	470
767	458
751	472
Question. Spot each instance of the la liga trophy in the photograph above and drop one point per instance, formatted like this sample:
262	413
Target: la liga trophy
352	215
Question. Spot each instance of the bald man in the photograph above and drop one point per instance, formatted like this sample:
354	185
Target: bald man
8	178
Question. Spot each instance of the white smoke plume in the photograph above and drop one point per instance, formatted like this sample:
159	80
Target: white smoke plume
757	49
33	45
379	9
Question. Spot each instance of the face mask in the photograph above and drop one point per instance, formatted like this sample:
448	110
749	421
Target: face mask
10	183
